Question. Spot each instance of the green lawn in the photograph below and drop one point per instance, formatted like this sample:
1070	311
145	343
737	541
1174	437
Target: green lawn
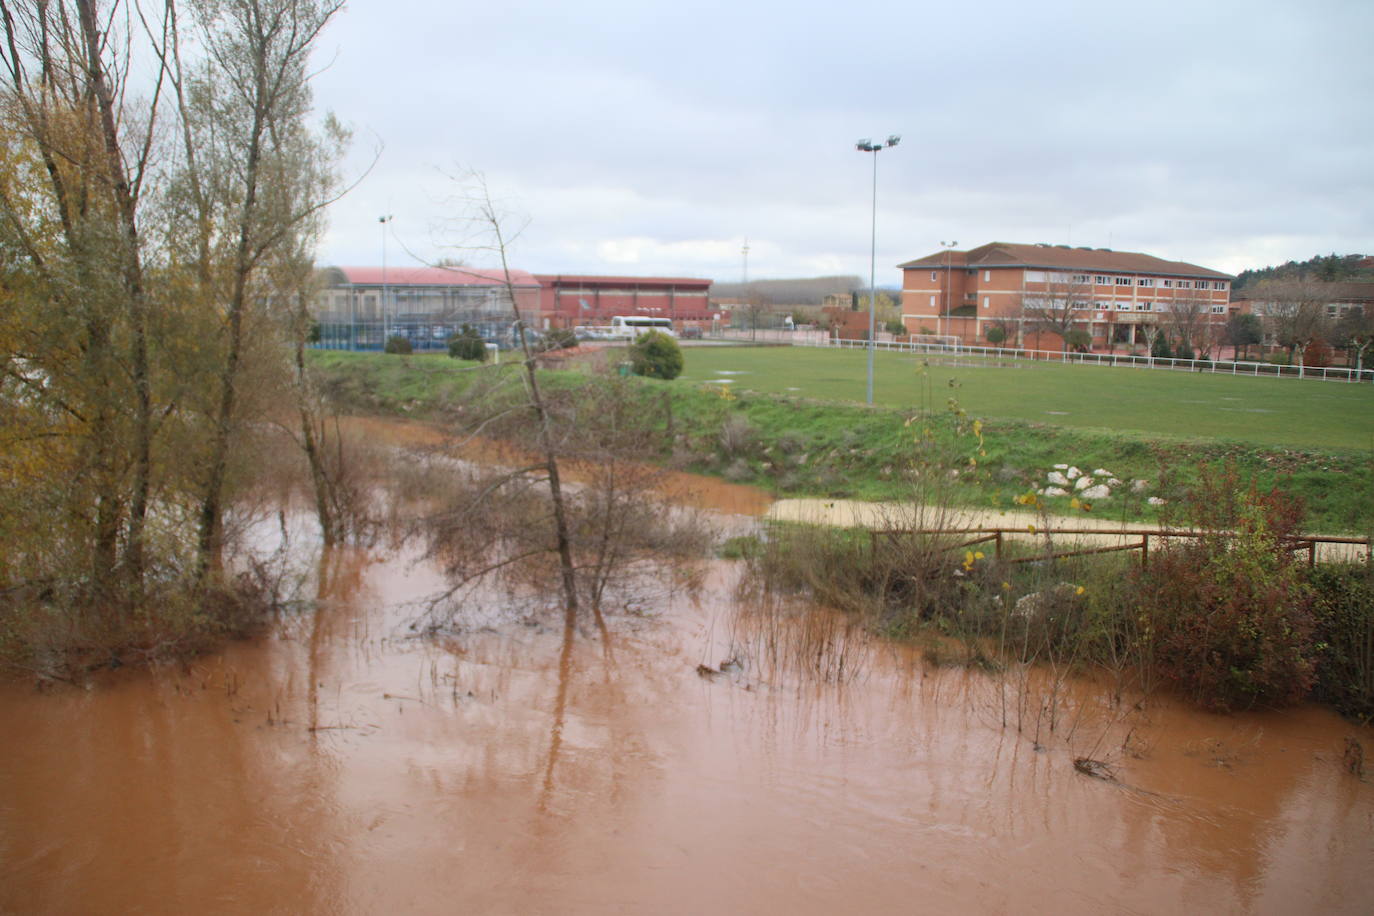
1262	411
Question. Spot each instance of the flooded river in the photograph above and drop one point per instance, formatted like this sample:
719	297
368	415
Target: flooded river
343	764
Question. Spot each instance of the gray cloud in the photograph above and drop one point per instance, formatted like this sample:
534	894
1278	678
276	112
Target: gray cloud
653	138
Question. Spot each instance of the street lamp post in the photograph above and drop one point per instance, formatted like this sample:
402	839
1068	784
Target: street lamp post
868	146
386	325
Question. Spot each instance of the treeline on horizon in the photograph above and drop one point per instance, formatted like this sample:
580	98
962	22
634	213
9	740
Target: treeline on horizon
800	291
1326	268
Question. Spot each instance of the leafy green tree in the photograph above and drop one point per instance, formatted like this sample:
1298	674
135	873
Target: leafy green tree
466	344
398	345
1243	332
656	355
996	334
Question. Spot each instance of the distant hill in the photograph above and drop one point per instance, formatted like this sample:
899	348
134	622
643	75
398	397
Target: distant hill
804	291
1321	267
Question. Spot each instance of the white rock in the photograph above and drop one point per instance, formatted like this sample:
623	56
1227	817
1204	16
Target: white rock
1061	467
1057	478
1084	481
1071	473
1114	482
1156	501
1054	491
1101	473
1139	486
1101	491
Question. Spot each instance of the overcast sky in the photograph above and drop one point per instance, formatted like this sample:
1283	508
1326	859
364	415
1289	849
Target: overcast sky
649	138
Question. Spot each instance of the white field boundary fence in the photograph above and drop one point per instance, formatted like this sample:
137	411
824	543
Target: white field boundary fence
1215	367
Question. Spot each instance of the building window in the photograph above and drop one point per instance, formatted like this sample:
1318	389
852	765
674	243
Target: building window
1123	281
987	301
1168	283
1103	281
1144	307
1219	284
1123	306
1218	310
932	275
1035	276
1080	278
1146	281
1199	284
932	302
987	275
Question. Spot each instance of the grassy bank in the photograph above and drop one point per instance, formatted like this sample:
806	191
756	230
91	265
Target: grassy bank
805	446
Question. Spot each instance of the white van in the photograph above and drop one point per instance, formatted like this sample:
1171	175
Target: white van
628	327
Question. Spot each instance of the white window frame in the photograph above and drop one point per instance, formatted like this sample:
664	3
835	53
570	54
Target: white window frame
1102	281
1123	281
1145	281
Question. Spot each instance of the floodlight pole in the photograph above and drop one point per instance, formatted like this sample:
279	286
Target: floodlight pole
867	146
386	329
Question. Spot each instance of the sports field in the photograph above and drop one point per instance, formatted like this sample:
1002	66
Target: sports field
1263	411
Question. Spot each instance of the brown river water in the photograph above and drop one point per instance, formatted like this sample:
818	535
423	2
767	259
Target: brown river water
343	764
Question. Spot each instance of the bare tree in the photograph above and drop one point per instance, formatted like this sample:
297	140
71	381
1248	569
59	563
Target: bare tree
598	535
1190	321
1355	332
75	226
252	181
1055	307
1294	313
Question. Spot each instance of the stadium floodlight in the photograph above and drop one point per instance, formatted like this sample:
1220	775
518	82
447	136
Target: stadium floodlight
866	145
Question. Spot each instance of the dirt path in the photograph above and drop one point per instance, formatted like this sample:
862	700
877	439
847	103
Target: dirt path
851	513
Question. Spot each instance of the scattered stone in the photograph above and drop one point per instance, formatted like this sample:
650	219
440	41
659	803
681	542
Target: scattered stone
1114	482
1057	478
1101	473
1037	604
1156	501
1061	467
1083	482
1101	491
1139	486
1073	473
1054	491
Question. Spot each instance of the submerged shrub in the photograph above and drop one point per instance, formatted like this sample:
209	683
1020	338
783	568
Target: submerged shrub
1229	616
1343	603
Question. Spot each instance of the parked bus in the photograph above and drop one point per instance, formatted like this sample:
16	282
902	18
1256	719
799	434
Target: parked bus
628	327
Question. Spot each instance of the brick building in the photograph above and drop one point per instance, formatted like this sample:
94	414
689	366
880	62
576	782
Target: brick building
568	300
1113	296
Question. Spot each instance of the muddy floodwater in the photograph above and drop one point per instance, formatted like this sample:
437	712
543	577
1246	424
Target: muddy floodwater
344	764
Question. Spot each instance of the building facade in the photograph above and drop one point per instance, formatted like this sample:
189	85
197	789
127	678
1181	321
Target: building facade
358	308
571	300
1039	294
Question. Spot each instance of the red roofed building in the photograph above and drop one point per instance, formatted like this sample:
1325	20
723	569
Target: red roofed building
569	300
1114	296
